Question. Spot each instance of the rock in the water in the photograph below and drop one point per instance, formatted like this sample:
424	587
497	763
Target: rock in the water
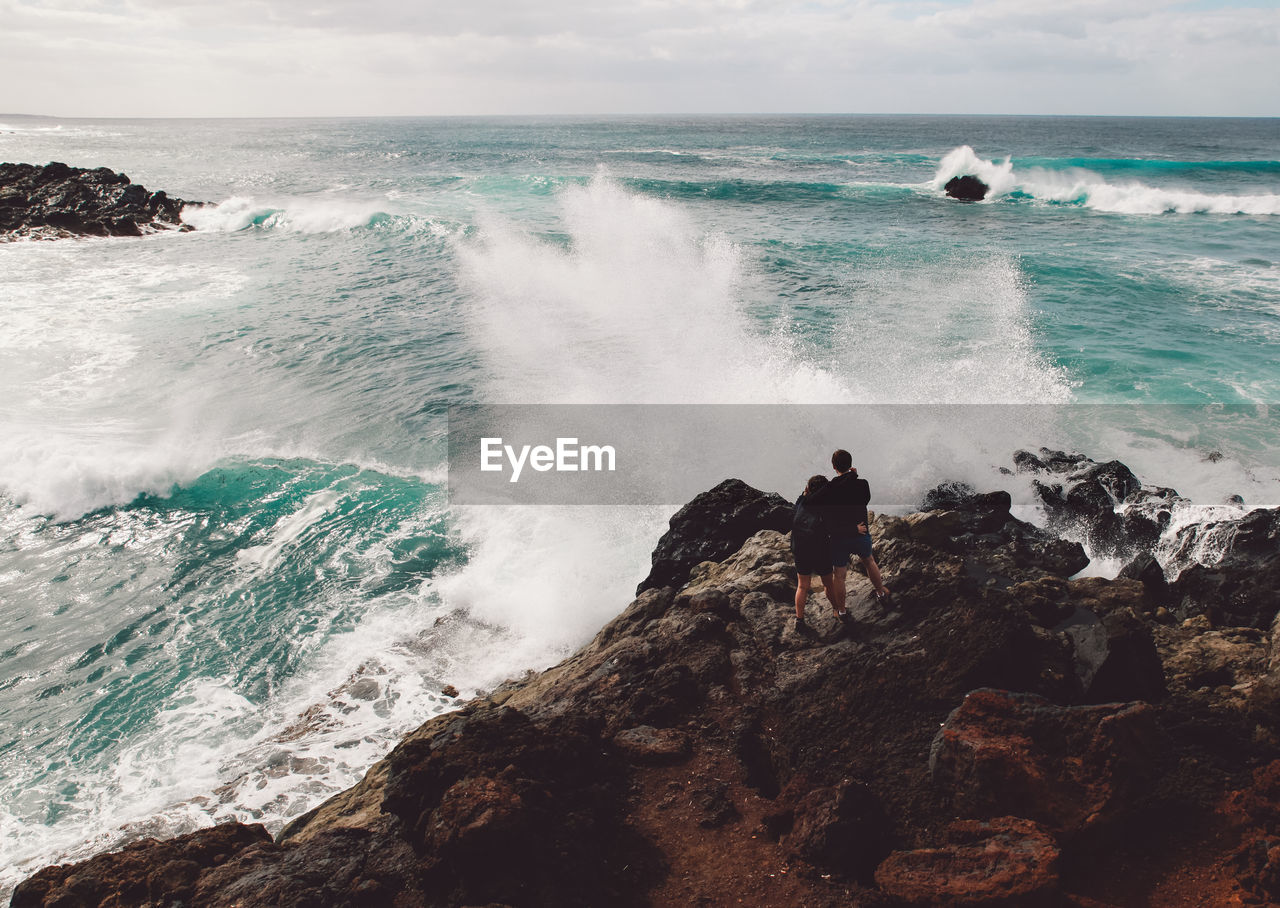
967	188
58	201
1242	587
1103	502
1000	862
948	496
712	527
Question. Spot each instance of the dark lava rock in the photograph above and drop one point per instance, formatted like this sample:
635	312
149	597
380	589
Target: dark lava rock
653	746
712	527
1146	569
1115	657
948	496
842	828
58	201
1105	503
967	188
146	872
1242	589
1132	668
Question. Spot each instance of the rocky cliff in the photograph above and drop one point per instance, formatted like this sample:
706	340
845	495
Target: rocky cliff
59	201
1005	736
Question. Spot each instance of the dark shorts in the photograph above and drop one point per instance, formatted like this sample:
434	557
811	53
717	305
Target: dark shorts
843	547
813	556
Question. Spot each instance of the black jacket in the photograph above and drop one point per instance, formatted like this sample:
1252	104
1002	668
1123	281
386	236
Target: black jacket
842	503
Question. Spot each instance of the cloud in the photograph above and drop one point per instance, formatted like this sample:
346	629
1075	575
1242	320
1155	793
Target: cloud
307	57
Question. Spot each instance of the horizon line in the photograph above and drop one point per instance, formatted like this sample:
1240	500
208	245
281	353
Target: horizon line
659	114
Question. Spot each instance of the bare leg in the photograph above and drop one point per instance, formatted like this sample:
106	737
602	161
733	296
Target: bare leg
829	584
802	594
873	574
838	592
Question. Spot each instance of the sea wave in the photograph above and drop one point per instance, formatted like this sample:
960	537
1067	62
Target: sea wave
297	215
1088	189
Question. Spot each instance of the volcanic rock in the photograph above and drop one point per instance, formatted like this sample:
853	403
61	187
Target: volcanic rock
842	827
712	527
1002	753
967	188
1115	656
59	201
1004	861
1242	586
146	872
1104	503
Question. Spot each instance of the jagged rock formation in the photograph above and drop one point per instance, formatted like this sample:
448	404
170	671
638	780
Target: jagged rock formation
711	527
966	188
1006	736
1104	502
58	201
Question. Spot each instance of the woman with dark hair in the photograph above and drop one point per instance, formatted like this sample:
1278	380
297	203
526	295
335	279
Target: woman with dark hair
811	547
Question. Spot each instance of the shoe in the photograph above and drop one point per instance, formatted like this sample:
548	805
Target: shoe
845	619
884	600
803	629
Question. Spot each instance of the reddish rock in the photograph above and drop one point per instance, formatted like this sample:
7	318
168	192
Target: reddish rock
1002	753
1005	861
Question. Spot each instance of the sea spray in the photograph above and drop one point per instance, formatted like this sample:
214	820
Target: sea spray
1079	185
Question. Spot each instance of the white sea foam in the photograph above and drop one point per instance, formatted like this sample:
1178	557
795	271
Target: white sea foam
83	427
1084	187
300	214
639	307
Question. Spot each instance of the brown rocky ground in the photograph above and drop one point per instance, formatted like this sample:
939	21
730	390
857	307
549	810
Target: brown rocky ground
1005	736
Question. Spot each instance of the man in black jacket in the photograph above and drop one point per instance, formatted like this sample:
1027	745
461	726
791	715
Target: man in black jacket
843	503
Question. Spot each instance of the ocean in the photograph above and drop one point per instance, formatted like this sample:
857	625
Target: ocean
230	573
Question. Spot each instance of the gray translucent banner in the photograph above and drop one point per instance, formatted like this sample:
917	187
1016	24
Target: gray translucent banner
639	454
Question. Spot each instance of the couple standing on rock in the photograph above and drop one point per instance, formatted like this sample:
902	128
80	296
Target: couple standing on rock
830	526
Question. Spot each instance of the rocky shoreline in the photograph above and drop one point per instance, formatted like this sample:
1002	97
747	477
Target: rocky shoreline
1006	735
55	201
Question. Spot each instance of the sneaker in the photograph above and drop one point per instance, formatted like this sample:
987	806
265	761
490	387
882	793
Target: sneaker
803	629
845	619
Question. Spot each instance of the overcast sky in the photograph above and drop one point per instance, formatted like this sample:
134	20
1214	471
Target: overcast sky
385	57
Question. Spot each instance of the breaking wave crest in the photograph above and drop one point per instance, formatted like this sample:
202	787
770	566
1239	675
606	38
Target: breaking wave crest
298	215
1079	185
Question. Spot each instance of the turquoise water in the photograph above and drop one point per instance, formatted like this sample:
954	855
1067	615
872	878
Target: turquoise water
229	574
